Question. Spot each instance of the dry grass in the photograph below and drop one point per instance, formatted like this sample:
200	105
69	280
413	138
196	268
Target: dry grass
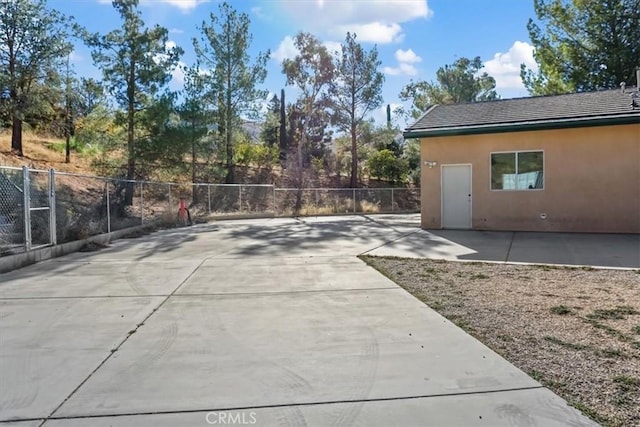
338	206
38	154
575	330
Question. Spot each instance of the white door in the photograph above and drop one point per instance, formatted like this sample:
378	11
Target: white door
456	196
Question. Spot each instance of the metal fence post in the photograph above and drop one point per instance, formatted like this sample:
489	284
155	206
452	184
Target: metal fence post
209	198
27	208
240	193
141	205
391	199
354	200
170	205
275	206
106	187
52	207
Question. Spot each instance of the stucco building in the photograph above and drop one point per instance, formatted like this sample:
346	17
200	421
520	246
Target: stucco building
551	163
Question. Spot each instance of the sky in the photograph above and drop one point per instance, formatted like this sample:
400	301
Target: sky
413	37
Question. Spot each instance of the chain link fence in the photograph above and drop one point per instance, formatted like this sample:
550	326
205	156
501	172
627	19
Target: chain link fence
328	201
42	208
12	236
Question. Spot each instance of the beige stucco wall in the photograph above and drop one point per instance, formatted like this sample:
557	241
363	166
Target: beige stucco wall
591	182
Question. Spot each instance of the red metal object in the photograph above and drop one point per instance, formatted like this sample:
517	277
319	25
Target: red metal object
182	210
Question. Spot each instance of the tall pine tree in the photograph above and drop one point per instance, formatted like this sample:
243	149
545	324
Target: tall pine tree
224	51
583	45
34	44
355	91
136	63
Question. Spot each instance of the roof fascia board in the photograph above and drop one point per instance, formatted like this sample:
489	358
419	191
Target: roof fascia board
524	126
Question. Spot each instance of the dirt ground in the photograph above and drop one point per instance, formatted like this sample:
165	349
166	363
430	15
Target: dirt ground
575	330
39	154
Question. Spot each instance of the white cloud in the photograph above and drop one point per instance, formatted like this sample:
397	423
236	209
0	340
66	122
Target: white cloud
407	56
259	12
374	32
403	69
75	57
178	72
177	76
332	47
286	50
406	59
176	31
372	21
184	5
505	68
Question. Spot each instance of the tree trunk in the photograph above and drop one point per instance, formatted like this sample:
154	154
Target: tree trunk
300	173
194	197
354	156
230	169
283	130
16	136
131	163
67	118
299	179
67	151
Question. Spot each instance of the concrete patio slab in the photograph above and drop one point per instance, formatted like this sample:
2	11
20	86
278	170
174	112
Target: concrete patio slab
49	346
23	423
219	276
597	250
275	315
62	278
449	245
606	250
513	408
316	235
293	348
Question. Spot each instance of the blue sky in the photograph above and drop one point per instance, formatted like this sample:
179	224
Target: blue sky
413	37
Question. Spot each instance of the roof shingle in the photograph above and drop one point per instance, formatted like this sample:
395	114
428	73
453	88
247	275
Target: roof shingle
533	110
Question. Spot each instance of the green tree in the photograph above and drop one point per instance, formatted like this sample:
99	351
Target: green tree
269	134
224	49
34	42
136	63
87	94
384	165
45	111
160	140
583	45
317	131
382	137
355	90
311	71
194	118
456	83
411	154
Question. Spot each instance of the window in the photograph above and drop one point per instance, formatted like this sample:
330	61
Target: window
520	170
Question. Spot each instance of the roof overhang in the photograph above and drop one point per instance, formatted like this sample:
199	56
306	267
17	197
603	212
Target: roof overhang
625	119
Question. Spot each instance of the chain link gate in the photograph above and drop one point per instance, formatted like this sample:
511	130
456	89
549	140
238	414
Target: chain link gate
39	208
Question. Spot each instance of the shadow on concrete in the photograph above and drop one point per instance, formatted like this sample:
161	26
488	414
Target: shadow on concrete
315	236
152	243
581	249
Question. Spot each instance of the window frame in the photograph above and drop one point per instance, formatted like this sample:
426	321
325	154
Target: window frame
517	152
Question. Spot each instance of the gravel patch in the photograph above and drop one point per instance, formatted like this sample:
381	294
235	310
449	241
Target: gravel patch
576	330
